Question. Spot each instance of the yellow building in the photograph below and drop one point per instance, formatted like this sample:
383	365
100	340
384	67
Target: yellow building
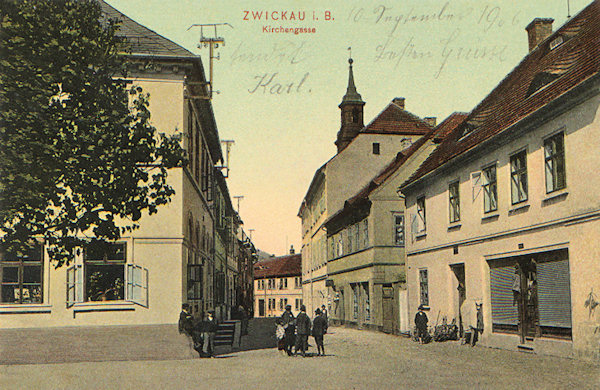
366	244
505	213
146	276
277	283
362	151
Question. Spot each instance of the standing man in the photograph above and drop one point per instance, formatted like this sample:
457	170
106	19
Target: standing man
421	324
319	329
303	330
325	317
288	321
210	331
186	324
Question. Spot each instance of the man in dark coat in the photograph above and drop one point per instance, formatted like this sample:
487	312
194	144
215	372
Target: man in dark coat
289	324
303	330
325	316
421	324
186	324
209	332
319	329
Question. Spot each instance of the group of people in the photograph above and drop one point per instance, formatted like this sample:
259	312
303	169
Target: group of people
292	332
201	333
471	321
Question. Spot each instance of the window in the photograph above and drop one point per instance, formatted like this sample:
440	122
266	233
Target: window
283	283
357	236
298	282
194	281
340	245
421	216
281	306
366	233
104	268
367	301
554	153
518	177
349	234
21	277
376	148
454	202
297	304
490	189
355	295
424	287
399	230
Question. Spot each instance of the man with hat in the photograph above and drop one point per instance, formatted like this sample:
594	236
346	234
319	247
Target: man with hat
421	324
303	330
319	329
289	325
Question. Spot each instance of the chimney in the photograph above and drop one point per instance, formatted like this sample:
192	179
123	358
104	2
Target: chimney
399	101
538	30
292	251
431	120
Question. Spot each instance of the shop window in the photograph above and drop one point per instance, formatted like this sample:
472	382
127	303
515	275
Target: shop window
21	277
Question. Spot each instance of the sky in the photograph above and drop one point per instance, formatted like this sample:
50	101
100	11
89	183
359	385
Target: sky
278	93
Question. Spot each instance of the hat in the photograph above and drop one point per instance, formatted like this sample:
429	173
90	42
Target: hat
421	307
288	307
318	311
302	308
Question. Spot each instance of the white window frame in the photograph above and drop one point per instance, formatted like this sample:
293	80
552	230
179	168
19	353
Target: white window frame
517	178
421	214
454	202
395	241
551	172
490	187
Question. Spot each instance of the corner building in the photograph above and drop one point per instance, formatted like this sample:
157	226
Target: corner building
505	213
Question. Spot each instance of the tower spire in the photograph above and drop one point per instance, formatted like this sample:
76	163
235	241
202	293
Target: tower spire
352	111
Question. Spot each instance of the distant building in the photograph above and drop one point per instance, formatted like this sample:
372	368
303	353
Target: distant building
506	212
277	283
362	151
366	244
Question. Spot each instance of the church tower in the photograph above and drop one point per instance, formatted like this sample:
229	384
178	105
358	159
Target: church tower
352	113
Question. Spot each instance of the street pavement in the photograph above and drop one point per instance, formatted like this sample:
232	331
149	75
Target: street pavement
356	359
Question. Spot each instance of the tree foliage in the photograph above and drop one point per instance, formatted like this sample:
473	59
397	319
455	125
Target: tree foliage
79	158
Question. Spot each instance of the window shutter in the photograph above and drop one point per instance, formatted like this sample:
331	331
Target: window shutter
554	293
476	184
137	285
504	308
74	285
414	226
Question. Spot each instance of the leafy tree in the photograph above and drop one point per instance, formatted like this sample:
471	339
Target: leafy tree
78	156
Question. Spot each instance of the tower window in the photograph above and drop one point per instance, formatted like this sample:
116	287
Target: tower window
376	148
355	115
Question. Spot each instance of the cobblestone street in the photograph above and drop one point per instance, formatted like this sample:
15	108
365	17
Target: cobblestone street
355	359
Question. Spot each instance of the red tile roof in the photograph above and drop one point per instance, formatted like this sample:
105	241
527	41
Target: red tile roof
290	265
395	120
572	62
439	132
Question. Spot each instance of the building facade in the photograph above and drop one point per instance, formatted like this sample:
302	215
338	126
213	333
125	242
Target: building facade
366	244
277	283
504	214
145	277
362	151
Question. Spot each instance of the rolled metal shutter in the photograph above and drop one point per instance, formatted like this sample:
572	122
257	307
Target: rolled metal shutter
504	310
554	293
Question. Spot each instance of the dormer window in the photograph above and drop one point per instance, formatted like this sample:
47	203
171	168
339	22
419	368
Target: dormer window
556	42
540	80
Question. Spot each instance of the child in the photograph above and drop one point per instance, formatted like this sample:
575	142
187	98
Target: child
280	334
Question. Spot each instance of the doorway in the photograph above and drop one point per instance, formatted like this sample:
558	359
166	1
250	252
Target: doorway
261	307
461	295
388	308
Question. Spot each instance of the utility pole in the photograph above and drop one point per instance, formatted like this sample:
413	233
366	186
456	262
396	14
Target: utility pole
212	43
238	197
